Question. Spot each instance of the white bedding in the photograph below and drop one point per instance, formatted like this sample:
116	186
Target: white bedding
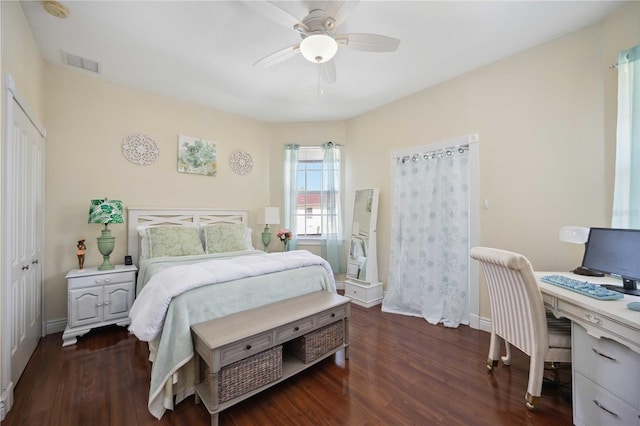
175	297
150	307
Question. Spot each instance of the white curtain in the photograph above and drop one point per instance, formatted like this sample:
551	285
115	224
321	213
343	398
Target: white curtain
429	253
332	241
291	154
626	195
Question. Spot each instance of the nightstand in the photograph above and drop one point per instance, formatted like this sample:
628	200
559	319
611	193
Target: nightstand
98	298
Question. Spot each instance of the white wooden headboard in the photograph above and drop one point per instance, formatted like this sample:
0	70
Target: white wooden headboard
154	216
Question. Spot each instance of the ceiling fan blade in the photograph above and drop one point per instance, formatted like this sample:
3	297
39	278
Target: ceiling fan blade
368	42
278	56
275	13
328	71
340	10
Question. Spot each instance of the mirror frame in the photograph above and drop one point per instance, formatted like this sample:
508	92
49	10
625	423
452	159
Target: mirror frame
366	199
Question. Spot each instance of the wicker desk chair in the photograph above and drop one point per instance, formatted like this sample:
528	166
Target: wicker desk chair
519	317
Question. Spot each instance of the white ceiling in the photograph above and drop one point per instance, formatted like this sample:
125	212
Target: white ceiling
203	51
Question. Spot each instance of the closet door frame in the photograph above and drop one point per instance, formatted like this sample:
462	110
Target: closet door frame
13	100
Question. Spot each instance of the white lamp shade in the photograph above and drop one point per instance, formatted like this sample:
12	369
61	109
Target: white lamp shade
318	48
574	234
270	216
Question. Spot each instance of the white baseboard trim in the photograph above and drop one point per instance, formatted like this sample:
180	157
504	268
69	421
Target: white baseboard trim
474	321
485	324
55	326
340	285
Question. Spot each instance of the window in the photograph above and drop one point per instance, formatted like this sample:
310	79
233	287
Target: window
311	218
626	198
312	199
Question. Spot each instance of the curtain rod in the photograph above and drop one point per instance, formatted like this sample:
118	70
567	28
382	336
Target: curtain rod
438	153
615	64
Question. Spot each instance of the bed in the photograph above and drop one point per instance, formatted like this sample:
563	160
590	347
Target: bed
180	284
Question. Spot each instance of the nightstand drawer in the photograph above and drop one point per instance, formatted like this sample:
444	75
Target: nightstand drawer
102	279
245	348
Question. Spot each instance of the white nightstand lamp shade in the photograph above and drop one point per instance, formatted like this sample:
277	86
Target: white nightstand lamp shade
269	216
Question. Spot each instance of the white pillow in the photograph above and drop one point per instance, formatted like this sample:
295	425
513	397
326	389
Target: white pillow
144	241
249	242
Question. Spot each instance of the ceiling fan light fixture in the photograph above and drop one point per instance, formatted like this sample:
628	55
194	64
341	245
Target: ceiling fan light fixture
318	48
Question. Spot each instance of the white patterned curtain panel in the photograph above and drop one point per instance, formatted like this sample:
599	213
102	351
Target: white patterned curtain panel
429	255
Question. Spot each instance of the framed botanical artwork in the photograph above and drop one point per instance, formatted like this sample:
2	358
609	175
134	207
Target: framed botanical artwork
196	155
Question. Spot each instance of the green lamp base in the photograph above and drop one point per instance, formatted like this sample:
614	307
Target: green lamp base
106	242
266	238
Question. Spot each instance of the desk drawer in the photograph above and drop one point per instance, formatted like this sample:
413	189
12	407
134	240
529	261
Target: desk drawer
593	405
610	364
246	347
549	300
295	329
601	325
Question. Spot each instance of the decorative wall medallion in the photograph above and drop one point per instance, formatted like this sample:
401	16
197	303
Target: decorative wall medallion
241	162
140	149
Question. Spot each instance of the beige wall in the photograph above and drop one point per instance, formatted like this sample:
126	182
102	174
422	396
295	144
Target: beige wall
546	147
87	119
21	58
546	119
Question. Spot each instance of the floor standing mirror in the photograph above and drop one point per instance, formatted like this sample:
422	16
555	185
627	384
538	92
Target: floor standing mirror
362	283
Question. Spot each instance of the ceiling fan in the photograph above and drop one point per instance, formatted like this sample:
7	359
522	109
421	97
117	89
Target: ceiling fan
318	31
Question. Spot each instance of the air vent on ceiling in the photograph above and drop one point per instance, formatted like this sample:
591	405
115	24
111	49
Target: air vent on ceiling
80	62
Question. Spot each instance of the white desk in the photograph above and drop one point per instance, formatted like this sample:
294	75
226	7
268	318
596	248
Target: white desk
605	353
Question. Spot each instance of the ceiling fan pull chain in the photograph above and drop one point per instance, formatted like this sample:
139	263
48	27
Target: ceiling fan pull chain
320	91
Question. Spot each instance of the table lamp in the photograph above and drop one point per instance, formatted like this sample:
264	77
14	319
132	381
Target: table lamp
105	211
270	216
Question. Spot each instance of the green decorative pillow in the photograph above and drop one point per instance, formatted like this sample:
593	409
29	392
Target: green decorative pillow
174	241
225	237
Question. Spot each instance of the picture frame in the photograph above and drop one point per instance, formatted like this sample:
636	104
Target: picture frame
197	156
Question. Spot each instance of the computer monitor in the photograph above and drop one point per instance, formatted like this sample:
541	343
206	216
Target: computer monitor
615	252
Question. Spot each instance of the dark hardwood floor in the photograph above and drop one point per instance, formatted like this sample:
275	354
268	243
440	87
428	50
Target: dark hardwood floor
401	371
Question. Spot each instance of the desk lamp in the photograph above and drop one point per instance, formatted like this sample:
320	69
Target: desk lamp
105	211
577	235
270	216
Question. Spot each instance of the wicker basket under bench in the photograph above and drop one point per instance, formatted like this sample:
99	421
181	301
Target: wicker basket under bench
241	354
